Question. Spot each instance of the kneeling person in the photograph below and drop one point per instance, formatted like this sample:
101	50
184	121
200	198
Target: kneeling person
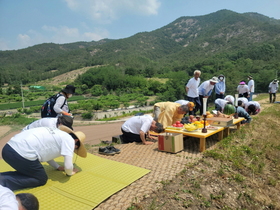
51	122
137	128
220	104
26	150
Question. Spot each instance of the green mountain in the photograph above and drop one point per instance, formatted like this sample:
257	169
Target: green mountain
224	40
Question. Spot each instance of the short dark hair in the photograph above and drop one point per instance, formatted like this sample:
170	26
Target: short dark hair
252	109
159	128
239	103
28	201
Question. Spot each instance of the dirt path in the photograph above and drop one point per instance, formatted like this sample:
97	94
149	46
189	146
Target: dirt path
94	133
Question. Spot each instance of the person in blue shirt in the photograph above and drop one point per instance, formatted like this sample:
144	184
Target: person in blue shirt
220	87
242	113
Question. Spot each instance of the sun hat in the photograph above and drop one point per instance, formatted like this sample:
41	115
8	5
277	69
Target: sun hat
69	89
275	80
190	105
82	152
242	83
66	120
214	79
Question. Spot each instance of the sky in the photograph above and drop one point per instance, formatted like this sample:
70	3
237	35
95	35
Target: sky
25	23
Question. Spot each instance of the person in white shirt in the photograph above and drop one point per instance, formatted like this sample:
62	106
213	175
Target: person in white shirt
20	201
205	90
243	90
61	104
252	107
192	91
220	104
25	152
230	98
251	86
51	122
272	89
243	100
137	128
8	199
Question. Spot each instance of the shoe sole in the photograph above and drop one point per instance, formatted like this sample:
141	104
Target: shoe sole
105	153
116	152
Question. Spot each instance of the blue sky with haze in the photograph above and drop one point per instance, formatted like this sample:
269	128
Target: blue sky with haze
24	23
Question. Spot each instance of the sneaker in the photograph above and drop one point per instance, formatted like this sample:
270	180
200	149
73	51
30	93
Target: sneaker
105	151
115	150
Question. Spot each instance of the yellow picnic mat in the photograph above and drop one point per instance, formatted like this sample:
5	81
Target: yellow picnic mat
98	179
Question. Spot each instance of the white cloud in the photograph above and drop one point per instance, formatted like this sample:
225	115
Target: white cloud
105	11
99	34
24	40
72	4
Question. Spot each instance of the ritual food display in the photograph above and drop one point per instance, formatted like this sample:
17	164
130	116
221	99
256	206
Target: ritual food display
177	126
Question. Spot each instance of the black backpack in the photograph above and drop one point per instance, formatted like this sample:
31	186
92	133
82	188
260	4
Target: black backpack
47	108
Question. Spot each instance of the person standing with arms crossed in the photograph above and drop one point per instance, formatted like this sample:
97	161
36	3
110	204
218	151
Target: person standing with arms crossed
192	91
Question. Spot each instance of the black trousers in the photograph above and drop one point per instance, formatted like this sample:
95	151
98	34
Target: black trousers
272	99
222	96
130	137
28	173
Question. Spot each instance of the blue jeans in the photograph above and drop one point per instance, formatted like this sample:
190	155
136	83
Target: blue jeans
251	96
28	173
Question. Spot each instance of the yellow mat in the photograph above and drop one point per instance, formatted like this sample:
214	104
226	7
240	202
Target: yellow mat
98	179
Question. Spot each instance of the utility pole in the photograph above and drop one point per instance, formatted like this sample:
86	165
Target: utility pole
22	95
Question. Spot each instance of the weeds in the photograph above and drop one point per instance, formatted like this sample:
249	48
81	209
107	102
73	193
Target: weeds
242	172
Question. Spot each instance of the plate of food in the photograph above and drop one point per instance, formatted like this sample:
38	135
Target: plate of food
185	130
210	127
174	128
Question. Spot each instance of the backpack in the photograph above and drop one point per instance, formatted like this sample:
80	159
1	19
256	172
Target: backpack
47	108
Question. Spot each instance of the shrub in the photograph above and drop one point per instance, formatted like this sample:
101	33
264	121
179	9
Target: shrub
87	115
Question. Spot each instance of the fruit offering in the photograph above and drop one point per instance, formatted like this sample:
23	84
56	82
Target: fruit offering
190	127
178	124
200	124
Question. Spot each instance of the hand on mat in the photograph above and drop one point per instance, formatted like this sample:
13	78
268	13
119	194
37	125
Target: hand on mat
75	170
60	168
148	142
153	138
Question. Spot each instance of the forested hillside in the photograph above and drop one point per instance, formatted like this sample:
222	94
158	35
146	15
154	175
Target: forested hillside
226	42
